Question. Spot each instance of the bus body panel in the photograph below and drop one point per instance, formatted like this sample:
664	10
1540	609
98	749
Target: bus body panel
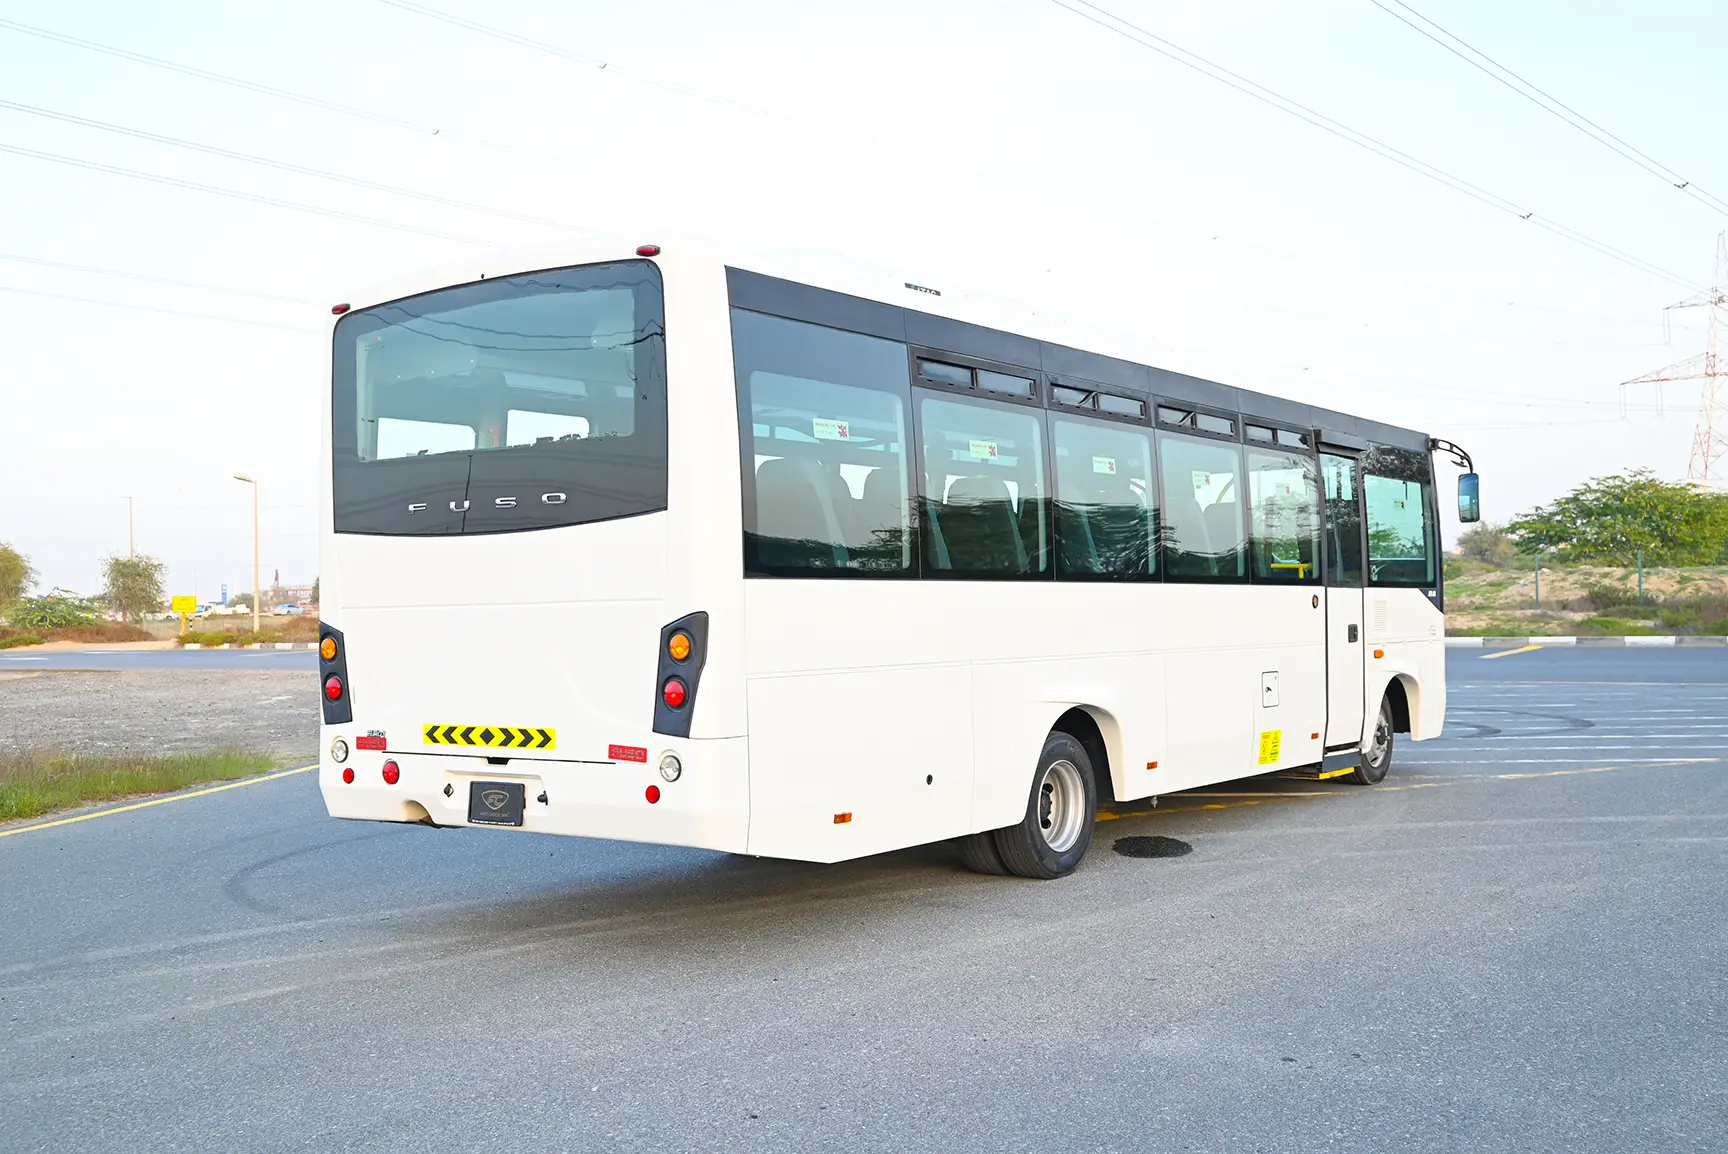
1410	630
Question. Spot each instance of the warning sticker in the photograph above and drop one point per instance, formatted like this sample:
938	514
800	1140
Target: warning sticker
1270	741
372	739
1202	481
490	736
985	450
1104	465
827	430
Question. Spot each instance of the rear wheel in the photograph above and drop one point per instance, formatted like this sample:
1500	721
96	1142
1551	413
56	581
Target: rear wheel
1377	758
1060	812
978	851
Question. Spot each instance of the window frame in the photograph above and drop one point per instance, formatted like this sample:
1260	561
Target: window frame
916	353
1423	475
1160	403
1090	407
750	565
1171	577
1154	492
921	496
1313	459
1354	456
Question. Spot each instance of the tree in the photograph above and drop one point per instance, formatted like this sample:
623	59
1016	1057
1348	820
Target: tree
314	590
1609	519
244	600
133	585
1489	544
16	575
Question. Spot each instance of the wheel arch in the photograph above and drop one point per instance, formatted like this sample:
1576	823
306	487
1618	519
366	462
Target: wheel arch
1096	730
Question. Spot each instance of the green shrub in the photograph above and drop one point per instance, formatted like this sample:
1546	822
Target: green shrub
56	610
14	640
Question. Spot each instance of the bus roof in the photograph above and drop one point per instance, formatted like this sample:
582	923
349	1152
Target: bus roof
860	296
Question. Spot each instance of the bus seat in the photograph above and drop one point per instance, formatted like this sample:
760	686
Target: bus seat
795	522
1186	526
1079	549
1224	532
979	528
1121	532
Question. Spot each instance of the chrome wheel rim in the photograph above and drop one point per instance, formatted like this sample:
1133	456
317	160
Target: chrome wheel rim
1061	803
1382	740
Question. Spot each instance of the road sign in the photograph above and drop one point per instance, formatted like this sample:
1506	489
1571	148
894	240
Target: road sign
224	594
183	605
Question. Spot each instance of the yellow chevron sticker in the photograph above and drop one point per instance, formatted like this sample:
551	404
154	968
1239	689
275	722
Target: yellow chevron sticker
491	736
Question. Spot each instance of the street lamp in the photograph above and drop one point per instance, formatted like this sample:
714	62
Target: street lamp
256	591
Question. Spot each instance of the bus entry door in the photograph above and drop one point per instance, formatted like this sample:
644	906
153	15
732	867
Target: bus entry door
1345	660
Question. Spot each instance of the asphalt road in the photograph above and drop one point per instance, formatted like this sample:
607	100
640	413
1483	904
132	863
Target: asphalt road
1515	943
125	660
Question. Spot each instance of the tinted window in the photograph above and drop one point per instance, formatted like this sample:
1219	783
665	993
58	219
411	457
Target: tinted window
1343	520
983	488
1203	535
823	415
523	402
1105	523
1396	491
1284	508
1122	406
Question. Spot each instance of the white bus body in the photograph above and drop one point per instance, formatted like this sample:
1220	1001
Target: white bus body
853	695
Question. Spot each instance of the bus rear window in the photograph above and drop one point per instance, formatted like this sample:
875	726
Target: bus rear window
525	402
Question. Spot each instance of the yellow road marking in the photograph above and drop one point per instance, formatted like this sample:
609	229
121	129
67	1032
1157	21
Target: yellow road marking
1509	652
158	801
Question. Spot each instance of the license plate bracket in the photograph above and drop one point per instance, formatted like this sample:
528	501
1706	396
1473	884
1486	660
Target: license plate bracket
496	802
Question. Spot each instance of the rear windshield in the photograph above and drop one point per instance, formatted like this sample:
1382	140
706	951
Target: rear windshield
525	402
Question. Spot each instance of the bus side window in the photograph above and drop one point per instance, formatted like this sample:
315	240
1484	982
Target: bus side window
823	415
1396	491
1284	503
1202	534
1105	521
984	497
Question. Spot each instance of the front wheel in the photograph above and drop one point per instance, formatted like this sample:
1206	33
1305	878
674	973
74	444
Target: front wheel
1057	829
1377	758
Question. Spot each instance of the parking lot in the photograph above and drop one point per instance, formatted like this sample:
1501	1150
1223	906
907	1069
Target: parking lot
1515	942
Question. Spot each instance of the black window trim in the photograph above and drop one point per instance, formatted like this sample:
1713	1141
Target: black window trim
1313	458
1245	524
1094	390
1236	419
917	353
1431	526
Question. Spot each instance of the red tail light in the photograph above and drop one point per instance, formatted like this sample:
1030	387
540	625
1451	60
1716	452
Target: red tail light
333	687
392	773
348	775
653	794
673	692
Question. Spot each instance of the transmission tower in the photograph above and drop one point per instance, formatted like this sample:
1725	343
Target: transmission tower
1710	436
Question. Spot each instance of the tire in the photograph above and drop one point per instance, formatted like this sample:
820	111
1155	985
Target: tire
1377	760
978	851
1060	813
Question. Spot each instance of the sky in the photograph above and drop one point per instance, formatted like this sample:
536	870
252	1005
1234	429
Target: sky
1011	144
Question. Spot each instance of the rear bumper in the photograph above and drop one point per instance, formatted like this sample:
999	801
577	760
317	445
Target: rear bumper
707	807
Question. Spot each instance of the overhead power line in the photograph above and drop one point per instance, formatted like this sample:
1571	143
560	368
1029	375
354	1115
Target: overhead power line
1550	104
284	166
114	272
256	198
1149	40
153	309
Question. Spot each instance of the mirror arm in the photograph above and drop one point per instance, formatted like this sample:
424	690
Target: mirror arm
1459	456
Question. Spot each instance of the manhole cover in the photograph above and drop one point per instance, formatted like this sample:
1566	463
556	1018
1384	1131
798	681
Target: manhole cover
1151	847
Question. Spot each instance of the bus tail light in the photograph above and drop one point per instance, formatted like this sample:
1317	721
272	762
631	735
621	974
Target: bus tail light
348	775
683	652
392	773
336	691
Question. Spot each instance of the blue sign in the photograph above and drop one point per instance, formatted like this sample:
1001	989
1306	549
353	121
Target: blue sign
224	594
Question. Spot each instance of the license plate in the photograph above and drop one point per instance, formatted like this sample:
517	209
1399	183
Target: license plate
496	802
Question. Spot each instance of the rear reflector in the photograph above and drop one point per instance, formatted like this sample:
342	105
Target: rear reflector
842	818
348	775
652	794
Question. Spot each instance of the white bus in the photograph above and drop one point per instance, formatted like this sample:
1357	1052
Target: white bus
680	547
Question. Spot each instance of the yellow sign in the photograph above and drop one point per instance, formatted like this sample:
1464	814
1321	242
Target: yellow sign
1270	741
490	736
183	605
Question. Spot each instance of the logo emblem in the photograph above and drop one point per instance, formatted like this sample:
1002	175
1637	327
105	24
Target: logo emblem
494	799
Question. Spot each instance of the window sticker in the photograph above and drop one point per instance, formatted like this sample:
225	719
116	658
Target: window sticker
985	451
1202	482
827	430
1104	465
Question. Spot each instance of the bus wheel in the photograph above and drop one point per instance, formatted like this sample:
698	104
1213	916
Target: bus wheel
1052	838
1378	758
978	851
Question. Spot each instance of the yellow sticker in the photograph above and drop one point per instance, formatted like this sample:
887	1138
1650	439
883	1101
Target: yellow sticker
1270	741
491	736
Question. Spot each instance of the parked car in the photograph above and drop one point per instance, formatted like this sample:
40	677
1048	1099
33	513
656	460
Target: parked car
288	611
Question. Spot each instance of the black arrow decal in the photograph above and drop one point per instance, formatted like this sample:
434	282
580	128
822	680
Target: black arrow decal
431	735
545	739
468	735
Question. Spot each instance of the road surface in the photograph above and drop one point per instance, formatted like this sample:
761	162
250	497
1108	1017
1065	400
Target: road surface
1515	943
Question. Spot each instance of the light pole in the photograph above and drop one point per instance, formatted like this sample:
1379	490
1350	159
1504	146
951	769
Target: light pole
256	591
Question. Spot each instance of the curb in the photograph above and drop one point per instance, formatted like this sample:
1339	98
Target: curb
260	645
1587	642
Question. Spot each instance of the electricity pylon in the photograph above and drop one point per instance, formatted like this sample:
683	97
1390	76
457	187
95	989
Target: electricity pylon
1710	436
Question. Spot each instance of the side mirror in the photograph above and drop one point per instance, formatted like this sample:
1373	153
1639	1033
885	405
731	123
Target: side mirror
1469	499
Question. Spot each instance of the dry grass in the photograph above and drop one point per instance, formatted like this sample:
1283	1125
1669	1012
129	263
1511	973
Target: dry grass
38	781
